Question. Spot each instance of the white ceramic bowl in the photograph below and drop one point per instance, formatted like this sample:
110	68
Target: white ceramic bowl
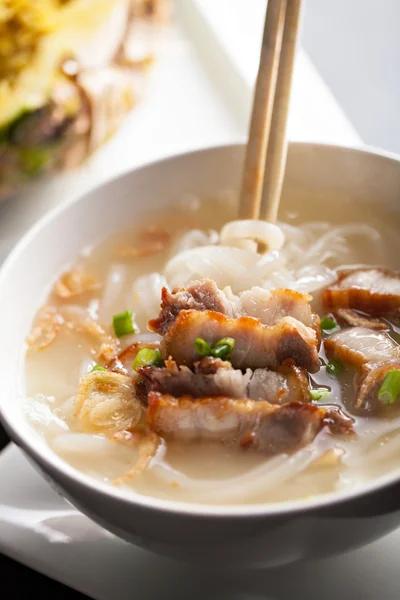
247	535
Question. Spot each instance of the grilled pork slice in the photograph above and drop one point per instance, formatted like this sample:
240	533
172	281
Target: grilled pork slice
355	319
358	346
373	353
288	384
371	381
256	346
217	378
199	295
271	429
373	291
267	306
209	365
272	306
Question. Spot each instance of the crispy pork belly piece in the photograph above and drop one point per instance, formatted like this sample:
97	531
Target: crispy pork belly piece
355	319
372	290
290	384
180	381
209	365
256	345
271	429
105	403
373	353
337	421
270	306
358	346
267	306
372	379
199	295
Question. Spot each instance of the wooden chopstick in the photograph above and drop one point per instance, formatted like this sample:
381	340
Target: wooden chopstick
253	174
265	158
275	161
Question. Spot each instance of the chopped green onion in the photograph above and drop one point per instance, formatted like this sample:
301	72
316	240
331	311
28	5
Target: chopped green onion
223	348
227	341
221	351
319	394
98	368
389	391
147	357
202	347
327	324
334	367
123	323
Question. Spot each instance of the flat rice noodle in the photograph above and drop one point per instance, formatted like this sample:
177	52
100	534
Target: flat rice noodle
271	473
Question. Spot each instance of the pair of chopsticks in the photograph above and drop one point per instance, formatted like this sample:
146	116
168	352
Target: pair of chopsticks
265	159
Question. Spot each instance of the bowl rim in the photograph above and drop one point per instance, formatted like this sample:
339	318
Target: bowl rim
45	457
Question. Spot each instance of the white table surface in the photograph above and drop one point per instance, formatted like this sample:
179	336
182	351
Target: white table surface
188	104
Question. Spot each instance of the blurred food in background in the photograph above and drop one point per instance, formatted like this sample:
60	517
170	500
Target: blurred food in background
70	71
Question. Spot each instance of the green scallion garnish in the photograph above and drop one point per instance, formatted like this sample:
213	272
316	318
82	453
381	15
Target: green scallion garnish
327	324
389	391
319	394
201	347
223	348
147	357
334	367
98	368
123	323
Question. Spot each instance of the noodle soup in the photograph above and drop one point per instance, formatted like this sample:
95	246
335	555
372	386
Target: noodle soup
98	399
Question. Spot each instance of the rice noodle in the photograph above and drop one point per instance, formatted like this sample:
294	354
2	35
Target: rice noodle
145	295
382	448
313	278
148	446
66	411
271	236
273	472
195	238
316	243
115	282
86	366
303	263
39	410
83	444
219	263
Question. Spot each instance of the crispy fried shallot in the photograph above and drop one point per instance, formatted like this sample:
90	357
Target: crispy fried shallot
74	283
